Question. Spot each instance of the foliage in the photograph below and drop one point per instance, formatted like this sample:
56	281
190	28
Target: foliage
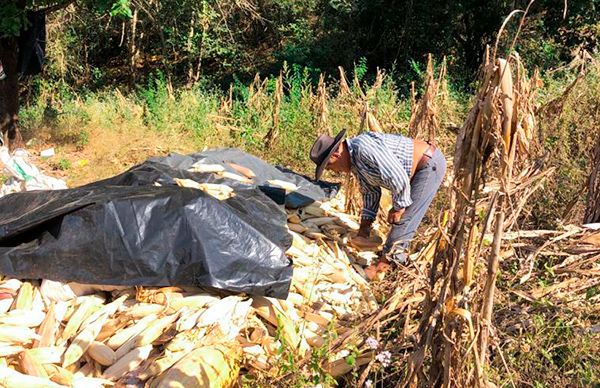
223	40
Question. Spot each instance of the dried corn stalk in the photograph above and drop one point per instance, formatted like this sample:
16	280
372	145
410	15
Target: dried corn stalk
424	120
274	130
320	106
458	304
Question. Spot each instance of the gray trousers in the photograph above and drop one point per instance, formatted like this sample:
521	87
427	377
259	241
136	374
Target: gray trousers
423	186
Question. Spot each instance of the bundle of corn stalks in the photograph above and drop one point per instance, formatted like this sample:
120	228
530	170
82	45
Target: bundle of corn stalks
457	320
424	121
56	334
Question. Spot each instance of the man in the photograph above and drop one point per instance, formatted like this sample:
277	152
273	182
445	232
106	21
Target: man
411	169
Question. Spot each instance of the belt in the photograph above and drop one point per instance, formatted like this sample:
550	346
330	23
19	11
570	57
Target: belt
428	154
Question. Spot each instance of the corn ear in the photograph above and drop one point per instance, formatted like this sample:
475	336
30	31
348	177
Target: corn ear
298	228
84	310
235	177
112	326
141	310
127	363
287	186
24	300
102	354
122	336
243	170
154	330
206	168
294	218
193	302
178	348
105	311
84	339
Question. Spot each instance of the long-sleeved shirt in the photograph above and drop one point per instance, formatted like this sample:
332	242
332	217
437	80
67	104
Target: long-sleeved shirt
382	160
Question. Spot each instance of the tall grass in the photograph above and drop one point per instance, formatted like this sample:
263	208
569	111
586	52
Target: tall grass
203	116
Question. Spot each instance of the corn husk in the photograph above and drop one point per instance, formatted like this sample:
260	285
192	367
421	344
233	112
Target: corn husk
235	177
270	310
6	303
31	366
84	310
208	366
11	286
53	291
178	348
10	350
59	374
48	328
24	300
154	330
122	336
127	363
47	355
206	168
26	318
12	378
17	335
141	310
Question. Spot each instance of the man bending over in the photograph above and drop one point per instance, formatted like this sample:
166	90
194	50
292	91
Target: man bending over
411	169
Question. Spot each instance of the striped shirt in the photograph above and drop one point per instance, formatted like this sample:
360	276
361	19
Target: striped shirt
382	160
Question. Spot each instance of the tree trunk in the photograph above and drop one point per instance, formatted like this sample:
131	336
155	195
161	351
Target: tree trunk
9	92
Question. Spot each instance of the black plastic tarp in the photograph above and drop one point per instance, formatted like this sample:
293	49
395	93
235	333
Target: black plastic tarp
126	230
163	169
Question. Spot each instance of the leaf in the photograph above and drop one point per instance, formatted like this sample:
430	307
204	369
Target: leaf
122	9
351	359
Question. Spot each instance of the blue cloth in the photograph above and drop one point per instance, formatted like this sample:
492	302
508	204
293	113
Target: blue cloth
382	160
424	184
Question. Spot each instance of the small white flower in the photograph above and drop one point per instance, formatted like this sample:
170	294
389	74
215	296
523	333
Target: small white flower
372	343
368	383
385	358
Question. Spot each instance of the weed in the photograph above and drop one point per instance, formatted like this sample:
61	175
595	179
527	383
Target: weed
64	164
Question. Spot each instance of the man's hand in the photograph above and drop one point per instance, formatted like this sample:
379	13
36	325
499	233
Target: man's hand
394	216
365	228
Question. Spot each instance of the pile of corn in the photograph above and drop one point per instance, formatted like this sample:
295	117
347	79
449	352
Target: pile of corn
54	334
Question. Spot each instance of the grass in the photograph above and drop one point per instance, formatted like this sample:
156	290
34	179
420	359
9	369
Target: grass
112	130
